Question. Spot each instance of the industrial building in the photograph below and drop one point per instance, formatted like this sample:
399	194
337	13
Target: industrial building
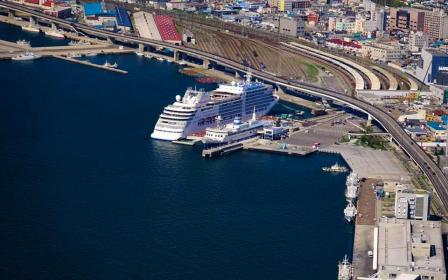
409	247
432	62
411	205
123	19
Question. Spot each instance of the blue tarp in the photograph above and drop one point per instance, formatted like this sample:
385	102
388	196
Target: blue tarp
123	17
92	9
435	126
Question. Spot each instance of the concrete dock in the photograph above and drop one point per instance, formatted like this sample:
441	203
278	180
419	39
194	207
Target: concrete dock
279	147
365	224
370	163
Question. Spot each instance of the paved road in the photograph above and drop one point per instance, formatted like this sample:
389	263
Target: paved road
430	168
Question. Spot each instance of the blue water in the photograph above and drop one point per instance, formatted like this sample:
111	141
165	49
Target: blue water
86	194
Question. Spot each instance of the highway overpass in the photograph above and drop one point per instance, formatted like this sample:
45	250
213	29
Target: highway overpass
416	153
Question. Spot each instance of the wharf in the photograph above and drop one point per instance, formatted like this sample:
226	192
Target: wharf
279	147
189	141
87	63
370	163
364	228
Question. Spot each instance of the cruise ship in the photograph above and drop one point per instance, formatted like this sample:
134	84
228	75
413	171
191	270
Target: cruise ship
232	132
197	109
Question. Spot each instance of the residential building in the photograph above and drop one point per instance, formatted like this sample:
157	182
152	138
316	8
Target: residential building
292	26
417	40
406	19
436	24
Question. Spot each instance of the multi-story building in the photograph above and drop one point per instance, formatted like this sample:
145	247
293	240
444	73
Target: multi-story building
406	19
411	205
292	26
383	52
436	24
417	40
346	24
293	5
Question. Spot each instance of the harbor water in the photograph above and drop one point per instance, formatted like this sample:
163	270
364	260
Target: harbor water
86	194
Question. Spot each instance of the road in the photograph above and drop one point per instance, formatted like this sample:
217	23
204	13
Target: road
430	168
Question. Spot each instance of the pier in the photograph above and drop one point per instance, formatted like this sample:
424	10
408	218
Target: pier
279	147
88	63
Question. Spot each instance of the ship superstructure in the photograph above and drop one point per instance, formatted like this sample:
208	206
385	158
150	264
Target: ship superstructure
198	110
233	132
352	184
351	195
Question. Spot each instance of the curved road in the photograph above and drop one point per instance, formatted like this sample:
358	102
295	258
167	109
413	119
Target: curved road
430	168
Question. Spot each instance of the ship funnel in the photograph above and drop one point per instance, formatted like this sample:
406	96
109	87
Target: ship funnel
248	77
254	115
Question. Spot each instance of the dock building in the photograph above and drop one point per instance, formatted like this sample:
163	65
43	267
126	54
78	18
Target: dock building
411	205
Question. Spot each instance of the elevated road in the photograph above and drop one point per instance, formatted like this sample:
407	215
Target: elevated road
375	83
430	168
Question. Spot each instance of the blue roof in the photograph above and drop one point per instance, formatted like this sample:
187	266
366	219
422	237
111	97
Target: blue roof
435	126
123	17
91	9
445	119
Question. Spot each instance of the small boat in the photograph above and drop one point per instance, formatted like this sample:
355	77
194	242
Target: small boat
300	113
90	54
350	212
169	61
335	168
78	43
30	28
75	55
107	64
160	58
23	43
139	53
25	56
345	270
55	34
148	55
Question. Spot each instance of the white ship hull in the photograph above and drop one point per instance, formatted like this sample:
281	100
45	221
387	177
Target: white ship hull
183	132
31	29
54	34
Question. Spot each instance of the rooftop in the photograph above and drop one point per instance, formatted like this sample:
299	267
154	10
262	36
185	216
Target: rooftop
410	246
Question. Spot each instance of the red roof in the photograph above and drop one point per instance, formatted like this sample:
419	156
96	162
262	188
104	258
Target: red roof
351	44
167	29
47	3
36	2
